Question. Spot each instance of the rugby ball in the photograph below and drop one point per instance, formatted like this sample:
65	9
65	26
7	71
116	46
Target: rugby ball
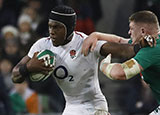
49	59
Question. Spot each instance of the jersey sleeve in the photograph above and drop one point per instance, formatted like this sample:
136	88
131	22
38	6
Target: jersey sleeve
38	46
145	58
98	47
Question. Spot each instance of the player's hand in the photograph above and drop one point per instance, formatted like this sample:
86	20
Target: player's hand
148	41
36	65
89	44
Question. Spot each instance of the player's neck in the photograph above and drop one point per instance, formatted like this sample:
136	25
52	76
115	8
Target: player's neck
68	39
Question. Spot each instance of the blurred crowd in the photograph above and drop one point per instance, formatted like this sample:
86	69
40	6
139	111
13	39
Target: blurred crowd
22	22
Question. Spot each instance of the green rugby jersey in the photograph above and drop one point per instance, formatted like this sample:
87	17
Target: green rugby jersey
149	59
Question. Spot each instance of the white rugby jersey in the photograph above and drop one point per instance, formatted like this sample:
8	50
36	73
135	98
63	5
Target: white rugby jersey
75	74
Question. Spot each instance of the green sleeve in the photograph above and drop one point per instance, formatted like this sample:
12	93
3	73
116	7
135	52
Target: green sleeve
145	57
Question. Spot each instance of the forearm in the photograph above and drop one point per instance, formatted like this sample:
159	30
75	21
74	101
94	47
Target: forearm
113	71
118	50
109	37
90	43
118	71
16	75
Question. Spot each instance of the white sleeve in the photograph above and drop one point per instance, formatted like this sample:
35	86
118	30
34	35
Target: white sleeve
41	44
93	57
98	47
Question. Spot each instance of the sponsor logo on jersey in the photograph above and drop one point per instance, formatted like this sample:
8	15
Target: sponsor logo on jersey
73	53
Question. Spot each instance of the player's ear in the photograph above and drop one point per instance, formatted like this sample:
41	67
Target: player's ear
143	31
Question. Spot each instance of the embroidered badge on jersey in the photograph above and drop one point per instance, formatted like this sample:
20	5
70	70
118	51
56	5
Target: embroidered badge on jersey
73	53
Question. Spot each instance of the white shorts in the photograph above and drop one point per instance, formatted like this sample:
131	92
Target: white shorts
81	109
156	111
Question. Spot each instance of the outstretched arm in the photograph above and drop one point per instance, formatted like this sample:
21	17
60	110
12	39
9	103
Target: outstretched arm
108	37
90	42
117	50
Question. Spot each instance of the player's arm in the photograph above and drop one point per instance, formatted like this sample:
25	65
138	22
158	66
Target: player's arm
16	76
118	50
108	37
28	65
120	71
90	42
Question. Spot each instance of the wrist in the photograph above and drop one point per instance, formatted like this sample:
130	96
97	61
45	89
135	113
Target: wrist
23	70
95	35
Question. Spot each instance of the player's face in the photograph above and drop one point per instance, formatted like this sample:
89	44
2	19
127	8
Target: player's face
134	32
56	32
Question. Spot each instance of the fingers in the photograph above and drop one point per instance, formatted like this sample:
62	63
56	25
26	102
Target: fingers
35	54
48	68
44	69
85	49
150	40
154	41
35	65
47	61
93	46
89	45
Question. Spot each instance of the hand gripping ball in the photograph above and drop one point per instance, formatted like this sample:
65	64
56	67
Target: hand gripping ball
49	59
